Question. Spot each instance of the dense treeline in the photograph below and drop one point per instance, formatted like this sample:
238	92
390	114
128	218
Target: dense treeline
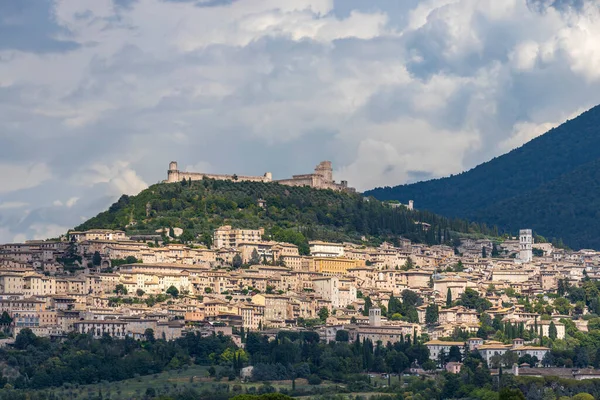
549	184
292	214
37	363
292	352
568	207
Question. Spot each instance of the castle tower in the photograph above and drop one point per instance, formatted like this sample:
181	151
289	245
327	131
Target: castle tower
375	316
173	173
525	245
325	170
411	205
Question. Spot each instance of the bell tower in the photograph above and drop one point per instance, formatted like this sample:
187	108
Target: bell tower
173	173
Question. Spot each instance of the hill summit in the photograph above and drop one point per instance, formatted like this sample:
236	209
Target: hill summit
293	214
550	184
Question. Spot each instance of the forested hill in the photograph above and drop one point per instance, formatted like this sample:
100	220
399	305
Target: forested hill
292	214
546	184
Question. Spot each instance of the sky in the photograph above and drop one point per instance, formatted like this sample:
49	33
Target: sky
98	96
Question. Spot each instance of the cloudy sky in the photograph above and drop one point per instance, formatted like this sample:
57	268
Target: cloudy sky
97	96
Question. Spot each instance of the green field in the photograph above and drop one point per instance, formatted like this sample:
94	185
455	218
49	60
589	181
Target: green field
170	383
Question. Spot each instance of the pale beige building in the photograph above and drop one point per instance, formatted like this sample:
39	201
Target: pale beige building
227	237
324	249
275	307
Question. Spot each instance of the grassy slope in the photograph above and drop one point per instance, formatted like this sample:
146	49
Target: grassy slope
317	214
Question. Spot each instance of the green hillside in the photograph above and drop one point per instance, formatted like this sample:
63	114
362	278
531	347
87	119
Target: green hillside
567	207
292	214
547	184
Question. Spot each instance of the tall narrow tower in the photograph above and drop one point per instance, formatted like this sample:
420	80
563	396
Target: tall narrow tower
375	316
325	170
525	245
173	173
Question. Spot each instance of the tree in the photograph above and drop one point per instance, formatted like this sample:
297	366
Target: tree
207	239
237	261
429	365
25	338
410	298
495	253
431	314
582	359
449	298
562	306
451	386
368	305
582	396
5	319
394	306
552	331
173	291
323	314
149	334
171	232
96	259
459	267
562	287
314	380
511	394
483	252
509	358
187	236
454	354
139	292
471	299
342	336
442	358
120	289
254	257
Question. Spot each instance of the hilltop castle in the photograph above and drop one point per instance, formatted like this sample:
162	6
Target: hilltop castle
322	178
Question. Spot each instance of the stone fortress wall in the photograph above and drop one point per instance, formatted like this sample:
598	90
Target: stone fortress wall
322	178
174	175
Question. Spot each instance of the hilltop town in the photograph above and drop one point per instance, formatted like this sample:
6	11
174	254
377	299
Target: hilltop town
509	300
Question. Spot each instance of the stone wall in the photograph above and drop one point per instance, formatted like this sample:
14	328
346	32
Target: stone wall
174	175
322	178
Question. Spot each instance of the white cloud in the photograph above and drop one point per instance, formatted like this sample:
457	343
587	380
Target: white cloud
13	204
16	177
44	231
120	178
270	85
72	201
525	55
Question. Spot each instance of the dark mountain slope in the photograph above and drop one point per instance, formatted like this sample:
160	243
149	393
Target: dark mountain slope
568	207
484	192
562	149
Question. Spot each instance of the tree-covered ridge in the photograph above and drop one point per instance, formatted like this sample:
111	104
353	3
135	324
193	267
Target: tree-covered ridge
567	207
293	214
546	184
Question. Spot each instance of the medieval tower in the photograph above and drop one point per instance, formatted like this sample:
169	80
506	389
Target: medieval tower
525	245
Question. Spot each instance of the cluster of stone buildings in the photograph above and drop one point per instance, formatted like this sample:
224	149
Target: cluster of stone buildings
321	178
276	287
